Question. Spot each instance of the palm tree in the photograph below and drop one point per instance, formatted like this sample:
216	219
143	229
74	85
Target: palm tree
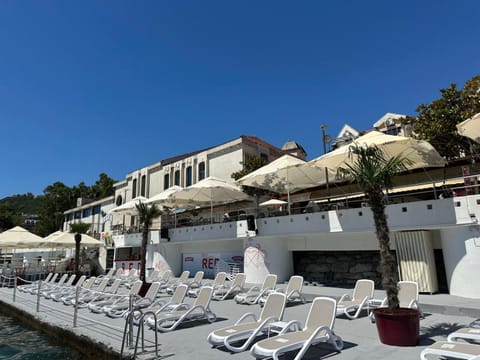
146	214
79	229
373	172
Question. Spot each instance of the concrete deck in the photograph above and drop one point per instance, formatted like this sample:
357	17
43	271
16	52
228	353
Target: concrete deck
95	332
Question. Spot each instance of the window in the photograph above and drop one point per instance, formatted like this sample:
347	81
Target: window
96	210
70	217
87	212
166	181
188	176
78	214
177	177
264	157
201	171
142	185
134	189
119	200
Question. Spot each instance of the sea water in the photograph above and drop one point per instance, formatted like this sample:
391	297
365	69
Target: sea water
20	343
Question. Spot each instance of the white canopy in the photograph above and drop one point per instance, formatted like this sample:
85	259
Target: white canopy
420	153
470	128
285	175
273	202
164	198
211	191
67	240
129	207
20	238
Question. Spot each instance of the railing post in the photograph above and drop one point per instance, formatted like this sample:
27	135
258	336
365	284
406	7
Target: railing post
14	287
130	325
38	295
75	308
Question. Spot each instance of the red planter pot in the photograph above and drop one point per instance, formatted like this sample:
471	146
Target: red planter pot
399	328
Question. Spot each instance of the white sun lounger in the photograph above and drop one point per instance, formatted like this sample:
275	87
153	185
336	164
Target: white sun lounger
217	283
230	289
85	287
249	327
318	328
293	291
352	306
467	334
31	285
96	306
118	309
101	292
454	350
161	305
255	293
67	289
199	310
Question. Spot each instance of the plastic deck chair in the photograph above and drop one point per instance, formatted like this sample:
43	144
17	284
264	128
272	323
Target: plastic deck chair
255	293
452	349
318	329
248	331
293	290
199	310
230	289
362	294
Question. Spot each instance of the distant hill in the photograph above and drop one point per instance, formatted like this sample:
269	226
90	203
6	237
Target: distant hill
26	203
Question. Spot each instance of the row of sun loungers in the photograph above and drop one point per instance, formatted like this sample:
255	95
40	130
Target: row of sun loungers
249	331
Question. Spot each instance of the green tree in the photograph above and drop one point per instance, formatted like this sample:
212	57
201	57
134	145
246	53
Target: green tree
436	122
251	163
78	229
146	214
9	217
373	172
57	198
103	187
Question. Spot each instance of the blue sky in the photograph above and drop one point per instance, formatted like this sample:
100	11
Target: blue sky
111	86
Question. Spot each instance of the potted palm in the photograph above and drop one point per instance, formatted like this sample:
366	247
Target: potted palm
373	172
146	214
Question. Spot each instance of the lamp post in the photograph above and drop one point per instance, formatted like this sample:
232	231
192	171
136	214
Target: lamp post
324	141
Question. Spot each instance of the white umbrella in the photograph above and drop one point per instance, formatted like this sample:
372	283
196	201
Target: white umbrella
128	208
67	239
20	238
273	202
211	191
419	152
285	175
164	198
470	128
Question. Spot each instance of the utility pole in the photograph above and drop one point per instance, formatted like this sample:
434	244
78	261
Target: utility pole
324	141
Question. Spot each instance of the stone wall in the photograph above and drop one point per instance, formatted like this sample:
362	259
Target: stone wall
337	267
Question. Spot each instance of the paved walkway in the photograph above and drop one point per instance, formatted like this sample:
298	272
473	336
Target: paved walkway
444	313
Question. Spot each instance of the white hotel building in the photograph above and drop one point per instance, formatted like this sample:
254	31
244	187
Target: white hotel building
433	219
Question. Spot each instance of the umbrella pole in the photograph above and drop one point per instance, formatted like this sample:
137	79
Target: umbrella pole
288	194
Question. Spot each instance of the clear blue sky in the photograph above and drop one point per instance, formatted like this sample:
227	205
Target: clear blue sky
111	86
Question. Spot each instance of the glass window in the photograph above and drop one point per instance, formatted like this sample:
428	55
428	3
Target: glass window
96	210
87	212
70	216
201	171
177	177
78	214
134	189
166	181
142	185
188	176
